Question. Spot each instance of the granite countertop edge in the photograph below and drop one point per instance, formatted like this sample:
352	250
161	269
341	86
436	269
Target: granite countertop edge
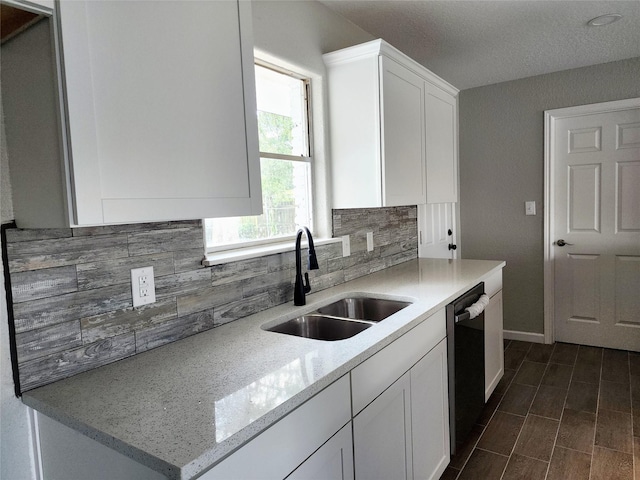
374	283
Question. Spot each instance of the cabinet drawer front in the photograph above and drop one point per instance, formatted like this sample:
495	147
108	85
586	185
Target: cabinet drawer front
373	376
493	284
279	450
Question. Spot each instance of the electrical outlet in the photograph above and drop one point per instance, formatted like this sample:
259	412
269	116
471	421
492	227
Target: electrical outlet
369	241
346	246
143	287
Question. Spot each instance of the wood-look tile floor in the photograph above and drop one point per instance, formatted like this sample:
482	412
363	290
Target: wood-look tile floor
561	412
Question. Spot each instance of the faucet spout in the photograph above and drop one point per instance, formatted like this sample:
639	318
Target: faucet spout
301	288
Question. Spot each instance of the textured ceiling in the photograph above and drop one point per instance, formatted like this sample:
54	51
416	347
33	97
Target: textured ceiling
474	43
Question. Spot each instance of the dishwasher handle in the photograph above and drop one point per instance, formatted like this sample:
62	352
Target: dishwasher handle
473	310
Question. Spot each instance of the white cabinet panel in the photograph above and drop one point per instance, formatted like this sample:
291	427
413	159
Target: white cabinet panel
162	124
430	414
382	435
67	454
441	145
402	95
493	284
334	460
493	344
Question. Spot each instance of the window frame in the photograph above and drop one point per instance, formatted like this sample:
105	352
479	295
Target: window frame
274	242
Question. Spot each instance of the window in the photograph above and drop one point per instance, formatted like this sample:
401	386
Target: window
285	164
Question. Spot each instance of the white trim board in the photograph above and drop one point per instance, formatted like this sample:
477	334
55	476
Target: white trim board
523	336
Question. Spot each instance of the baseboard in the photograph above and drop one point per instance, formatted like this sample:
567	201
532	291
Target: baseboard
523	336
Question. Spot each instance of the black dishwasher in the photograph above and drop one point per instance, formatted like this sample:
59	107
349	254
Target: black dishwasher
465	356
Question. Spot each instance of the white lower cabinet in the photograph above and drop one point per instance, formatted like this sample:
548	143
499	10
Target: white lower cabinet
66	454
333	460
382	435
400	401
286	445
404	433
430	414
493	335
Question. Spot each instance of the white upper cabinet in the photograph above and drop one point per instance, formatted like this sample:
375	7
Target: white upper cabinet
393	129
402	132
441	145
161	111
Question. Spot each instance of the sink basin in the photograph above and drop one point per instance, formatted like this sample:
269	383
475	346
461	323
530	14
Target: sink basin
363	308
320	327
341	319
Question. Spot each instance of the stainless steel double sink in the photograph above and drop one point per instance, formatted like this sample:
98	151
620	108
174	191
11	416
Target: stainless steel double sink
341	319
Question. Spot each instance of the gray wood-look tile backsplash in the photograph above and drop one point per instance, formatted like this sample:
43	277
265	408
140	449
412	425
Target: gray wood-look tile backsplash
71	291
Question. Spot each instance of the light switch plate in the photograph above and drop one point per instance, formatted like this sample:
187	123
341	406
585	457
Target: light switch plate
143	286
530	207
346	246
369	241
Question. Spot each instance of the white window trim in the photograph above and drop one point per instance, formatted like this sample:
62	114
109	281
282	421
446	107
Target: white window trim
320	206
245	253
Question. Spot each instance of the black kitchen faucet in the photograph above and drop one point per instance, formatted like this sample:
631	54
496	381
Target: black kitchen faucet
302	288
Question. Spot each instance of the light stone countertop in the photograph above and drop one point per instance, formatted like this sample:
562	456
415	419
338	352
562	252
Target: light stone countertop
182	407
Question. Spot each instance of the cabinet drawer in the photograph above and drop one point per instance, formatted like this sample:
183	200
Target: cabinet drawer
373	376
493	284
281	448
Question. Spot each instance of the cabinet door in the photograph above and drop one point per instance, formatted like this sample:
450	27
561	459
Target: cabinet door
382	435
161	110
402	113
285	445
493	345
430	414
334	460
67	454
441	145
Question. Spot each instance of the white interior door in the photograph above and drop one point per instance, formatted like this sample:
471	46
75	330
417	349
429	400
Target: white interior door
595	225
436	230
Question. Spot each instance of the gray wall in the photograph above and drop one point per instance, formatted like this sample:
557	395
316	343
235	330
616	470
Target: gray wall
502	166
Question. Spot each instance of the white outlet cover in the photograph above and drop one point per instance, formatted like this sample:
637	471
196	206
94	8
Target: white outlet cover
143	293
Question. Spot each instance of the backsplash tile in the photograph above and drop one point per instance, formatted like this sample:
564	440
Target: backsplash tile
71	291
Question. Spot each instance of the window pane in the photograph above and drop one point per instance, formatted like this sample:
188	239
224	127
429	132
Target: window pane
286	206
281	113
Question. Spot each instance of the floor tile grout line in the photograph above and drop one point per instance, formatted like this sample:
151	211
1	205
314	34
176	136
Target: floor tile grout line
571	381
528	410
494	453
555	440
475	445
595	427
633	446
484	427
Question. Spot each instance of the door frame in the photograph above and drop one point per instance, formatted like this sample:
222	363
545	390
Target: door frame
550	118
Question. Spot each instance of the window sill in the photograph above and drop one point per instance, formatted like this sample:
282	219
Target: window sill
220	258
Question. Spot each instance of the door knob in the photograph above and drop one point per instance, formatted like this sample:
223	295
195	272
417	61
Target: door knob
452	246
562	243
